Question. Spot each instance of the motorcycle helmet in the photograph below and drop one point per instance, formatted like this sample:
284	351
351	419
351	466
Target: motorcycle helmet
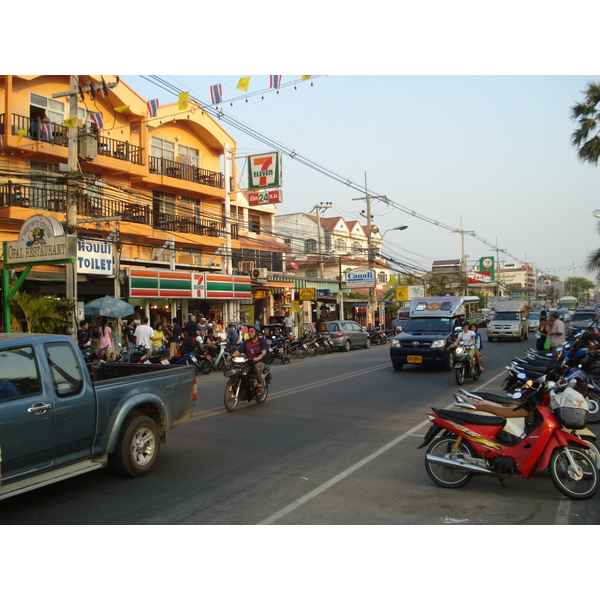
255	327
464	323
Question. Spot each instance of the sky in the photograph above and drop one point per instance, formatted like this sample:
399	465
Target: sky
489	154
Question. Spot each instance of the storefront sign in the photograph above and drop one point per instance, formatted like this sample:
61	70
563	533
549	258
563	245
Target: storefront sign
148	283
264	197
41	239
404	293
95	258
259	294
306	294
360	278
264	170
323	293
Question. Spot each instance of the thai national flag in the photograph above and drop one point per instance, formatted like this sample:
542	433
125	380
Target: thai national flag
46	131
275	81
153	107
98	120
216	94
1	146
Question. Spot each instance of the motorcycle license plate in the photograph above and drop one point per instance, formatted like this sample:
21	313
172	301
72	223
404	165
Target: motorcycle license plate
414	359
194	359
164	361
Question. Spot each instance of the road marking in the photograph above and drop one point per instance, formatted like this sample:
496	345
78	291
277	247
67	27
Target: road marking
331	482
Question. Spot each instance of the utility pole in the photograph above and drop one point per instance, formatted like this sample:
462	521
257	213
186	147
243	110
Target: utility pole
73	166
463	261
318	208
370	257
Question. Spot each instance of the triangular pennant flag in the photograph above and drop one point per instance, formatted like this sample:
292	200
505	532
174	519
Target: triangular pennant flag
305	77
153	107
216	94
243	83
70	122
121	109
184	99
98	120
20	134
275	82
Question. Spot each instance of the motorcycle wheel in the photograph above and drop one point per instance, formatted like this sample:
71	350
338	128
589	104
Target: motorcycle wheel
460	375
232	392
323	349
285	357
378	340
594	404
260	399
593	451
299	352
312	351
204	366
441	475
579	484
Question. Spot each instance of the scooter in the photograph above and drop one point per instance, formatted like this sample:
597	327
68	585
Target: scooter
473	444
242	384
462	364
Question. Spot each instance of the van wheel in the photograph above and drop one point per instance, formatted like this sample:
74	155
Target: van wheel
397	366
490	339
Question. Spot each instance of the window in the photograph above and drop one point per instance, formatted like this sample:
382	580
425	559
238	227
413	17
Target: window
20	374
356	247
190	208
53	109
310	246
192	155
254	223
340	245
382	277
163	203
163	149
66	376
311	273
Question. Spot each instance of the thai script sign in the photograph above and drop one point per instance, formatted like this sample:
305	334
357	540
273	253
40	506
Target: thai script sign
95	258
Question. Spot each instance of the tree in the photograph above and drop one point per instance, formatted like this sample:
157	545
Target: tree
46	314
576	286
586	138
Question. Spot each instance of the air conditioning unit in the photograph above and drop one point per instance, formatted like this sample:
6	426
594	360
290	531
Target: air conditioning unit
259	273
246	267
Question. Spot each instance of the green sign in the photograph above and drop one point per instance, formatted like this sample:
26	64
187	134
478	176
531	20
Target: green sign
486	263
264	170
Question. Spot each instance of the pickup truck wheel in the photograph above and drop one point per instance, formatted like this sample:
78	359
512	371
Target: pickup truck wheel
138	446
397	366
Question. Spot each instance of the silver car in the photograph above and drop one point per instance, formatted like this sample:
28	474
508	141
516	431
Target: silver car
345	335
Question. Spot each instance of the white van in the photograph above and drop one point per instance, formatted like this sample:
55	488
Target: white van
510	320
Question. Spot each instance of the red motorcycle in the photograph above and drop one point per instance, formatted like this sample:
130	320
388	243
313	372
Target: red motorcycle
473	444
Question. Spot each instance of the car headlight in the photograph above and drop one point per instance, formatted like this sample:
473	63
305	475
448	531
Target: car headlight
395	344
438	344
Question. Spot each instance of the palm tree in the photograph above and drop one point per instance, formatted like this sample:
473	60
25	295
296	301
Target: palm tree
586	138
41	315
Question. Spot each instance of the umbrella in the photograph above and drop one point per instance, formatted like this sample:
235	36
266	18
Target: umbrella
108	307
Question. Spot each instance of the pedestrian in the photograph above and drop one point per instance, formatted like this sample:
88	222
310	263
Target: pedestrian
84	336
129	336
219	330
233	335
192	328
144	334
557	335
543	332
105	339
158	339
175	339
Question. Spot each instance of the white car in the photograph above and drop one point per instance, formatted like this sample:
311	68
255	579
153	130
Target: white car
534	321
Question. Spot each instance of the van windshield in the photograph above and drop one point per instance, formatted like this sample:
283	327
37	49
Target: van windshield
507	316
429	325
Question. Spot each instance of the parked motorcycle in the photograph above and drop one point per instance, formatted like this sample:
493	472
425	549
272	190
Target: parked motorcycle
279	349
242	384
378	337
473	444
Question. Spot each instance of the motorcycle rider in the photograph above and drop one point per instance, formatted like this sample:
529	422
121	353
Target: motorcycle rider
468	338
255	348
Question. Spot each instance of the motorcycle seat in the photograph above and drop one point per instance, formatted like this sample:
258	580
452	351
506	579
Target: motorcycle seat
497	398
470	418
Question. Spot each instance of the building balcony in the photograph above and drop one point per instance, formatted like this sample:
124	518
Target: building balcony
181	170
95	206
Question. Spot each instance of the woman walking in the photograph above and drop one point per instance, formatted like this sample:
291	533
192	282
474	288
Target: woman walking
105	339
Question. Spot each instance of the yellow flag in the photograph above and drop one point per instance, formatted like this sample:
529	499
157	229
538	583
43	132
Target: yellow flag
305	77
184	98
243	83
121	109
70	122
20	134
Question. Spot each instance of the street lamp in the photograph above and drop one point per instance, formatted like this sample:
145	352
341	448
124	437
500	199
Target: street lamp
399	228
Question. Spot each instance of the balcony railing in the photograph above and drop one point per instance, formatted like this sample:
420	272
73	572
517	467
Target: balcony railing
180	170
35	129
91	205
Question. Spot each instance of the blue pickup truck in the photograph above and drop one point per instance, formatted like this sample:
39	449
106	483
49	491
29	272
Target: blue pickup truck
61	417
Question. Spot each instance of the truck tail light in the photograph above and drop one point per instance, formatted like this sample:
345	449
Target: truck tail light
194	394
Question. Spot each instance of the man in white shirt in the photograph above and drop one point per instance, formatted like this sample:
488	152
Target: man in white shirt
557	335
468	338
144	334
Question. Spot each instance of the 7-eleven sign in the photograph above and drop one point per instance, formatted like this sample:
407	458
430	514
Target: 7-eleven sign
264	170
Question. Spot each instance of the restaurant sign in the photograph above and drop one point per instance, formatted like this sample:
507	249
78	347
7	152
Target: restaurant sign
41	239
